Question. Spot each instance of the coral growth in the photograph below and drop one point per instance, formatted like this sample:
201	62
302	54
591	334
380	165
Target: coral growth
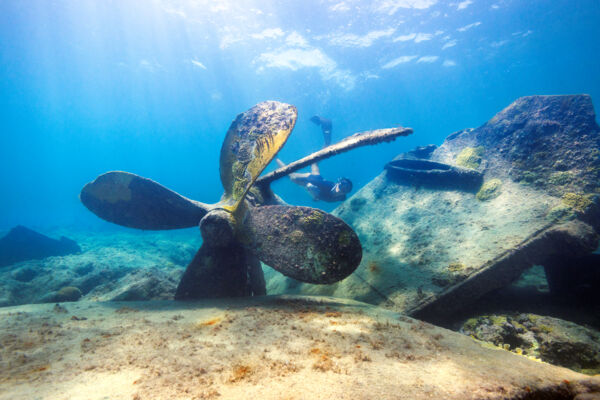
470	157
544	338
315	219
560	178
489	190
456	267
576	201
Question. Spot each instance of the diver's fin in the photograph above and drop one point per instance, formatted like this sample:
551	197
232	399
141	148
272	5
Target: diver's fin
303	243
253	139
130	200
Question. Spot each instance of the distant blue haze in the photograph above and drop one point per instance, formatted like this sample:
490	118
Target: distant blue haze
151	86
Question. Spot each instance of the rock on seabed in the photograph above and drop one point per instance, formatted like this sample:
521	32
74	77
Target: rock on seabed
545	338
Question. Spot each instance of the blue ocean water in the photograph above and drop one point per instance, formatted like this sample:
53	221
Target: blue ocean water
151	87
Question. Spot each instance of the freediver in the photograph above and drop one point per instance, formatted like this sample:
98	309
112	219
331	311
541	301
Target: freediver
315	184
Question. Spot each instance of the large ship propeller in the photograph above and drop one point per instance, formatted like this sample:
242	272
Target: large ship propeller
303	243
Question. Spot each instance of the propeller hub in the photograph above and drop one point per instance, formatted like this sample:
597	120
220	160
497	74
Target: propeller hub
217	228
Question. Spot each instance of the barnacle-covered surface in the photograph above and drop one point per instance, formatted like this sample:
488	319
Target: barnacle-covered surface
549	339
253	139
303	243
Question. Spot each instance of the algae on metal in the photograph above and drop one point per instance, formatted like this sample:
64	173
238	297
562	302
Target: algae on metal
470	157
579	202
314	219
489	190
560	178
251	142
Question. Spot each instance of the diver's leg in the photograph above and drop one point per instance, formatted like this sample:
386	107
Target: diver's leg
314	169
300	179
326	137
297	178
326	127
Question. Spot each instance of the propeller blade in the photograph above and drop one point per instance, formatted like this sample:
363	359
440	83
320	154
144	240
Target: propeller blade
253	139
228	271
130	200
303	243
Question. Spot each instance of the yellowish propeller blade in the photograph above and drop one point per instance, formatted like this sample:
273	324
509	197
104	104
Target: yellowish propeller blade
252	141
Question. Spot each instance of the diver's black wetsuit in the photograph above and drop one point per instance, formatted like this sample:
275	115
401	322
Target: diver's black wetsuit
319	188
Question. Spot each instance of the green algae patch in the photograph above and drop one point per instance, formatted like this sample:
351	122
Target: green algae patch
489	190
579	202
296	213
471	325
296	236
315	219
560	178
548	339
529	178
497	320
470	157
456	267
562	212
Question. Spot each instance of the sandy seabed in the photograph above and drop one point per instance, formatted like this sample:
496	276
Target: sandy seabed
273	347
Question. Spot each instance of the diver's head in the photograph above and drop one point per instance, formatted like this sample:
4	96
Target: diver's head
344	185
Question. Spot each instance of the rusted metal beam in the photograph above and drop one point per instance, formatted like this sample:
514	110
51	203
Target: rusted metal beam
360	139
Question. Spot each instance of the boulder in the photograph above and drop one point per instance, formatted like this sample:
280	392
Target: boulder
22	244
67	293
430	251
548	339
144	284
124	265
